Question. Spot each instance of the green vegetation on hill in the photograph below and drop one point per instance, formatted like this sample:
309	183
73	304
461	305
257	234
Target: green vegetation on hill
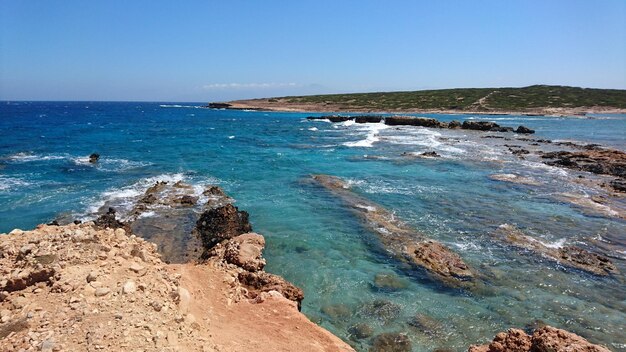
474	99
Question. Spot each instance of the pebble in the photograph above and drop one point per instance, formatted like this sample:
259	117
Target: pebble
93	276
136	267
102	291
129	287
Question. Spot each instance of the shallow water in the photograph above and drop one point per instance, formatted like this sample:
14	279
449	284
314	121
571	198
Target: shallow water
264	161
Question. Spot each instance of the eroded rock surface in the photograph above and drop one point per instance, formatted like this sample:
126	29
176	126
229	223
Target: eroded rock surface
544	339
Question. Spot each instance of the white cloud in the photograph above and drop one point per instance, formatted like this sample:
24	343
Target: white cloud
225	86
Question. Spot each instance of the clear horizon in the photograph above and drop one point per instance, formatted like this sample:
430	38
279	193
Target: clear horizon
201	51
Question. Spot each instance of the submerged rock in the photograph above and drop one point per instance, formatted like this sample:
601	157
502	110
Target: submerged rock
391	342
389	282
382	310
403	242
426	324
544	339
571	256
360	331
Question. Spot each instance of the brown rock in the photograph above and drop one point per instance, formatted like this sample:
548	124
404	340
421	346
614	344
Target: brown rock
265	282
222	223
391	342
245	251
549	339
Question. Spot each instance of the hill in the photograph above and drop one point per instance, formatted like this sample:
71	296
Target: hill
537	99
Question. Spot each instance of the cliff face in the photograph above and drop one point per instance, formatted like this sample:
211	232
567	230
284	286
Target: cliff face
84	288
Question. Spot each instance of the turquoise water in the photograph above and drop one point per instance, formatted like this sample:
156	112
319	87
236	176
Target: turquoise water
264	161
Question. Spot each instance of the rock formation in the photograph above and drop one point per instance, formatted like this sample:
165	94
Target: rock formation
544	339
93	158
571	256
403	242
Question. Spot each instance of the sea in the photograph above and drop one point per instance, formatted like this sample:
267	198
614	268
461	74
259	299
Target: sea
264	160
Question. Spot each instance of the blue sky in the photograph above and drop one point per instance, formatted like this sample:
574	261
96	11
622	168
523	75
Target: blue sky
209	50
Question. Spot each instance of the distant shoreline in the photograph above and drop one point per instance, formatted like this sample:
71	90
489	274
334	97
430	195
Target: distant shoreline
266	105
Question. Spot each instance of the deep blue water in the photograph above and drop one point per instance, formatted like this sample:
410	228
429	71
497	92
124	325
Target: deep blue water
264	161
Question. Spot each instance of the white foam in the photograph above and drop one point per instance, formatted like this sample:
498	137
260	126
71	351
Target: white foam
369	208
179	106
10	183
27	157
313	129
231	137
373	130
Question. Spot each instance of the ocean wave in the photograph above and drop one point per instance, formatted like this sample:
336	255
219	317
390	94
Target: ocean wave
179	106
372	129
313	129
24	157
11	183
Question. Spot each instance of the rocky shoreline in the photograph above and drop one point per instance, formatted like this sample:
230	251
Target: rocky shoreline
98	286
276	105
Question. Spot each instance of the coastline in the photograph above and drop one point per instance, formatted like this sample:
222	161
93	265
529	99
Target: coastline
282	106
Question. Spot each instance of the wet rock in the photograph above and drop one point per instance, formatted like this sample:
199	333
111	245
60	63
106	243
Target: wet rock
412	121
479	125
403	242
598	161
214	191
93	158
454	124
368	119
187	200
157	187
501	129
618	185
337	118
431	154
389	282
391	342
360	331
524	129
570	256
439	259
109	220
266	282
222	223
245	251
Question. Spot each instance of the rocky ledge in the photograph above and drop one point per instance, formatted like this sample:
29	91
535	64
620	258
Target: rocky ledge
485	126
544	339
97	286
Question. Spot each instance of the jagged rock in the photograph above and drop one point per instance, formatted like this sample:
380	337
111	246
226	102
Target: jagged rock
619	185
597	161
213	191
266	282
412	121
368	119
439	259
549	339
222	223
514	340
431	154
93	158
391	342
27	277
545	339
187	200
454	124
501	129
245	251
108	220
479	125
524	129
